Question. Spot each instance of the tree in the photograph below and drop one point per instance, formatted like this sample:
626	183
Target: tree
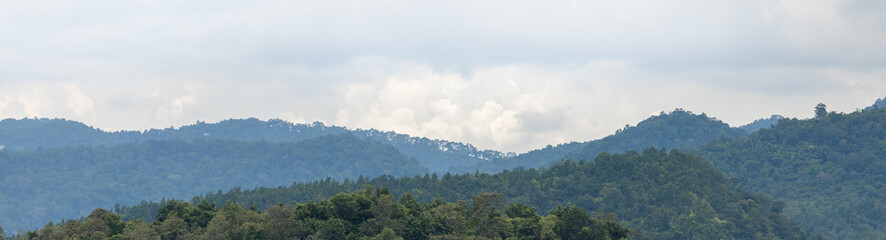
572	221
486	219
387	234
820	111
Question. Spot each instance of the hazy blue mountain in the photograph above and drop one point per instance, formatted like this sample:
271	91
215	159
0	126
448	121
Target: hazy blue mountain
880	103
830	170
677	129
68	182
436	155
761	123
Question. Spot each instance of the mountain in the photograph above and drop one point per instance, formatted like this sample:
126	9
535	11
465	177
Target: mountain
829	170
677	129
535	158
880	103
365	214
761	123
56	183
661	195
436	155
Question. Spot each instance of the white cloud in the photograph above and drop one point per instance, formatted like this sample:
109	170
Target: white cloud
79	102
504	75
507	107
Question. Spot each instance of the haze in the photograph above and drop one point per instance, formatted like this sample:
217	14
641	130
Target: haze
504	75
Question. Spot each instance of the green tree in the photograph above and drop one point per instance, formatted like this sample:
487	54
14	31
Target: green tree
572	221
486	218
387	234
137	230
821	111
172	227
282	223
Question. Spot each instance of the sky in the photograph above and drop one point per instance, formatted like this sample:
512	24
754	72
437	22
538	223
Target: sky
502	75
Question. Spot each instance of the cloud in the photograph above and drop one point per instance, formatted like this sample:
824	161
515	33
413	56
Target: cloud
514	107
505	75
78	102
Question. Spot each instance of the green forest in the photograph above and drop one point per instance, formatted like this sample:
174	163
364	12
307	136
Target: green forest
818	178
65	183
366	214
659	194
830	170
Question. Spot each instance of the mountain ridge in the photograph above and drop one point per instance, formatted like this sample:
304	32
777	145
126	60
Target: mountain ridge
436	154
676	129
68	182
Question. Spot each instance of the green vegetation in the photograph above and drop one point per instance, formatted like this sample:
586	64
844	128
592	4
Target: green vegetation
659	194
677	129
68	182
829	170
367	214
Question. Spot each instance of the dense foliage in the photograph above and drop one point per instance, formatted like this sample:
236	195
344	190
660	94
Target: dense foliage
662	195
436	155
366	214
68	182
761	123
677	129
829	170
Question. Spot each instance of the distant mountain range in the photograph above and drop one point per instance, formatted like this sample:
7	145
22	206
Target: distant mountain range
54	168
55	152
68	182
436	155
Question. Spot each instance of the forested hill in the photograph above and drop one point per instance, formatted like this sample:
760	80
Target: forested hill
436	155
830	170
660	194
52	184
367	214
677	129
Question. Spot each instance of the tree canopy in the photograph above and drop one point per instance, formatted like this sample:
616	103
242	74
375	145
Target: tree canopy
830	171
366	214
662	195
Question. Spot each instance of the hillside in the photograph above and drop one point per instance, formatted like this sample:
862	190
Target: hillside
659	194
436	155
52	184
761	123
366	214
830	170
677	129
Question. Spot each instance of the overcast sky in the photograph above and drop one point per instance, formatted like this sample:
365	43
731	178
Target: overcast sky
503	75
